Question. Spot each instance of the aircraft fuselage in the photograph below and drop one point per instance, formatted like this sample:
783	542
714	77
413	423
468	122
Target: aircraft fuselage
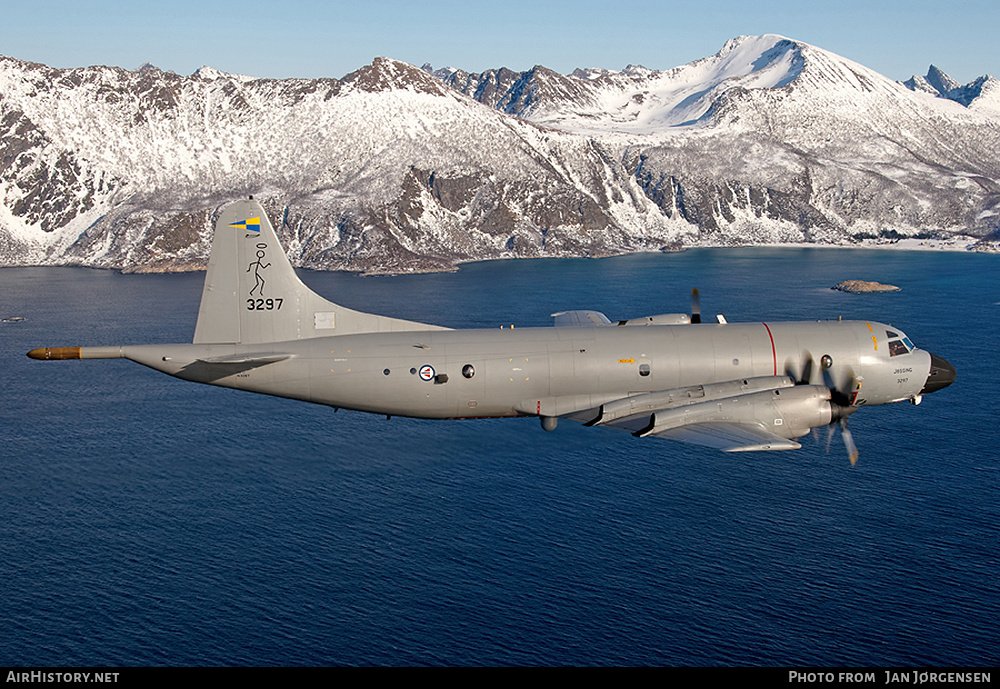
549	371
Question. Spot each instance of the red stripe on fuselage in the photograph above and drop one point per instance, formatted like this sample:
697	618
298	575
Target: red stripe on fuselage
774	354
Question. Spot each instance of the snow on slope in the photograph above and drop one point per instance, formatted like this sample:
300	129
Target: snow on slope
645	102
792	133
638	101
397	168
366	155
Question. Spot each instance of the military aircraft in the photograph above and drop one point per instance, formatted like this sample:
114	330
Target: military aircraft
733	387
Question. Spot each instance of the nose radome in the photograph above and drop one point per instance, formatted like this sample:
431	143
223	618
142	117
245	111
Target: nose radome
942	374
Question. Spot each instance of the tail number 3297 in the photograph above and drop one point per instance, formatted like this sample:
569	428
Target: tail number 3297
264	304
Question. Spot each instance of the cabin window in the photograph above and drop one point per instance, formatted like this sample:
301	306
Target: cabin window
643	369
468	370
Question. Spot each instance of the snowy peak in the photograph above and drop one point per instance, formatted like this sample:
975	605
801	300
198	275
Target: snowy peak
489	87
939	81
778	57
385	74
920	84
515	93
986	90
209	73
591	73
748	62
730	84
636	100
980	94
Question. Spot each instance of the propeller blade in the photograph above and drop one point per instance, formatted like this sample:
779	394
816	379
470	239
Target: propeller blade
839	418
842	388
803	372
807	370
695	306
852	449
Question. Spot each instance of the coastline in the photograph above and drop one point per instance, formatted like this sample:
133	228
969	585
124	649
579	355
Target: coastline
963	244
957	244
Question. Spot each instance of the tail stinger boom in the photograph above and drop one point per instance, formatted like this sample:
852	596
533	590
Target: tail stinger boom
252	294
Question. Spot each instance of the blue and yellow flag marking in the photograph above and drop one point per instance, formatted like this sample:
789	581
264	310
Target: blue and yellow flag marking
251	224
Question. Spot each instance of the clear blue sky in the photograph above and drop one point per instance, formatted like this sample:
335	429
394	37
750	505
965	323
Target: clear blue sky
306	38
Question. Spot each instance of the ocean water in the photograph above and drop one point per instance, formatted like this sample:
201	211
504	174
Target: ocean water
150	521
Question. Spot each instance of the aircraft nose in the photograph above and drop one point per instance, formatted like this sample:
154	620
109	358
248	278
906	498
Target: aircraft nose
942	375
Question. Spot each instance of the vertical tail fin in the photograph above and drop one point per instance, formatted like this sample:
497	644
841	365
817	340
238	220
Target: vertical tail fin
253	295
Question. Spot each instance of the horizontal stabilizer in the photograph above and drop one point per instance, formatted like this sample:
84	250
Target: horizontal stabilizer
244	359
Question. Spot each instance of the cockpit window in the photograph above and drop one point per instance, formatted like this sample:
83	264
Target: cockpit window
909	345
896	347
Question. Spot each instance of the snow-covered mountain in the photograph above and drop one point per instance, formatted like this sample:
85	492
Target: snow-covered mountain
981	94
636	100
397	168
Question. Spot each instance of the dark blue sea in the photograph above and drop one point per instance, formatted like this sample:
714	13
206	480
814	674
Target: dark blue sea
149	521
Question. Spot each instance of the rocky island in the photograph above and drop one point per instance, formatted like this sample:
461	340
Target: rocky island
864	287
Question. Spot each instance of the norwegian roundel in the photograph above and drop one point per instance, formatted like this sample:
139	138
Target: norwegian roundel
426	372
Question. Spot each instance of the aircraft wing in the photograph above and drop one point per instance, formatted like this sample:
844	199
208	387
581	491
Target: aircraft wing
580	319
729	437
753	414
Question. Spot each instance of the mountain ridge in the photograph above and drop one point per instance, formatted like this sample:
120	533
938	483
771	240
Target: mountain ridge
396	168
982	92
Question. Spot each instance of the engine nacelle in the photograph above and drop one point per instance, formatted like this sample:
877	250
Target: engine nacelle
786	412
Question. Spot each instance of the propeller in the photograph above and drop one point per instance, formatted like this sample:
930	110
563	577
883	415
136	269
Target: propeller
840	395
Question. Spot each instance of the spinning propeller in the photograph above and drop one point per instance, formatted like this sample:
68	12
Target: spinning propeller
841	395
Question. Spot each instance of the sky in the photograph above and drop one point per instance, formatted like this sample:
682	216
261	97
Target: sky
309	38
